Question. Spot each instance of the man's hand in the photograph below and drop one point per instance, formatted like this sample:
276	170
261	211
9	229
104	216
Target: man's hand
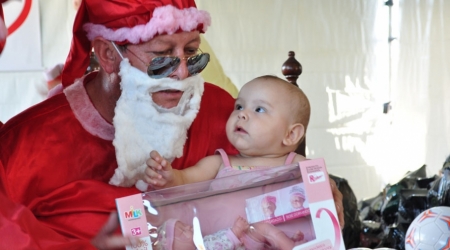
105	239
338	197
159	171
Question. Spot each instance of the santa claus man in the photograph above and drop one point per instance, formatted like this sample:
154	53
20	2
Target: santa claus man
69	157
21	230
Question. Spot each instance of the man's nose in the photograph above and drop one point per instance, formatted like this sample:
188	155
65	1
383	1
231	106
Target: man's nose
181	72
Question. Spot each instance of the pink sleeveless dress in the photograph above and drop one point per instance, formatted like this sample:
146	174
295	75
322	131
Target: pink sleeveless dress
240	178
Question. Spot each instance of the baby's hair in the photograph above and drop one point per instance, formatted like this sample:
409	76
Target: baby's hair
299	102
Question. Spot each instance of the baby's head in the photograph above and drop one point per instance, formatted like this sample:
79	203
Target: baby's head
173	234
270	117
297	197
268	205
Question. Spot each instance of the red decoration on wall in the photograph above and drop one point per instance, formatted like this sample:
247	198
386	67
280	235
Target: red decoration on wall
21	18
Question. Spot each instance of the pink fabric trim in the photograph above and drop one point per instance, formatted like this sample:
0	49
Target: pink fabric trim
166	20
55	90
290	158
226	161
166	235
233	238
251	243
85	112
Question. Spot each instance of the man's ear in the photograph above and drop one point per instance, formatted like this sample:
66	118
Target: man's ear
106	54
295	134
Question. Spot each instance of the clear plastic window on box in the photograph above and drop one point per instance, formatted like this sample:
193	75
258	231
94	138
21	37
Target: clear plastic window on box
262	209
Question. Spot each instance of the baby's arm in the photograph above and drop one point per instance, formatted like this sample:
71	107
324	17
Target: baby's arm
160	174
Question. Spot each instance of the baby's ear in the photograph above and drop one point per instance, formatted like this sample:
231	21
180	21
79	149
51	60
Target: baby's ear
295	134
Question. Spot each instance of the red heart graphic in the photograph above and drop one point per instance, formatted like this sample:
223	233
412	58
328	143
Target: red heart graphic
21	18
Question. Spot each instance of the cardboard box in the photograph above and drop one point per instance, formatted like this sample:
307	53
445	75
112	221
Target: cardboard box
322	207
132	220
213	206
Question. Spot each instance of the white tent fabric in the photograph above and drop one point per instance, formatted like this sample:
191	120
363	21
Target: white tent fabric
349	71
19	90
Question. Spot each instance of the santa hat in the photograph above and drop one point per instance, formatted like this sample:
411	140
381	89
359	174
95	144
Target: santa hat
166	233
3	29
127	21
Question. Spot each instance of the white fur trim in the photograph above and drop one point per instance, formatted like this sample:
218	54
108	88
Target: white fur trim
141	185
85	112
166	20
55	90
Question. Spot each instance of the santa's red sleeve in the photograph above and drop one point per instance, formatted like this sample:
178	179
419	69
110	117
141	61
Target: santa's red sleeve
21	230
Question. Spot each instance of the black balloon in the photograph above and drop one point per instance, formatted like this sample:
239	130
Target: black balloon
385	218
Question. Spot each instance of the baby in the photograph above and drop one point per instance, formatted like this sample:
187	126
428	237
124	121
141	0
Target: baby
267	125
173	234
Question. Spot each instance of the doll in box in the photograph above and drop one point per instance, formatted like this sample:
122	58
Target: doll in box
174	234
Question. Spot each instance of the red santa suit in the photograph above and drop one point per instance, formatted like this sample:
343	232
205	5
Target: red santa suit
60	171
21	230
18	226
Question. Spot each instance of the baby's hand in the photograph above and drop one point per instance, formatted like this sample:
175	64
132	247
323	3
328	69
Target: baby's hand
159	171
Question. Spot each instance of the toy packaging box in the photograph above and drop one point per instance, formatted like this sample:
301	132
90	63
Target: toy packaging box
287	207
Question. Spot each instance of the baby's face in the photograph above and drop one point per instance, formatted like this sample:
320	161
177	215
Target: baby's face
268	208
260	120
297	202
183	236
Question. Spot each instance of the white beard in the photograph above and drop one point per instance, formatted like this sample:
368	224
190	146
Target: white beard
142	126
